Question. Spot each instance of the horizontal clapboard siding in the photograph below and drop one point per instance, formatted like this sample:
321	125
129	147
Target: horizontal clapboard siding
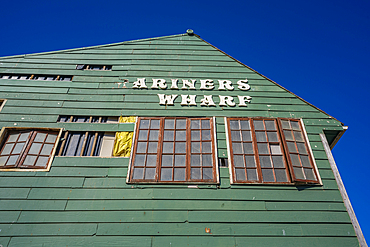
86	201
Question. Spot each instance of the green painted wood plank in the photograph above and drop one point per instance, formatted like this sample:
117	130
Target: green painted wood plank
21	64
144	52
74	172
293	206
44	84
28	118
49	193
269	216
96	127
93	241
117	172
63	97
297	241
37	182
9	216
90	162
190	69
200	241
324	164
163	205
328	230
224	172
116	91
33	89
14	193
30	103
32	204
4	241
105	183
94	105
102	216
13	230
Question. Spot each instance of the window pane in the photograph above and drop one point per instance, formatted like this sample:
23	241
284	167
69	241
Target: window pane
180	147
234	124
261	136
180	135
205	124
40	137
42	161
179	160
152	147
239	160
206	135
278	161
251	161
275	149
139	160
195	173
281	176
309	174
270	125
252	175
195	160
168	147
35	148
46	149
195	135
3	160
295	125
207	160
13	137
262	148
149	173
141	147
51	138
180	124
246	135
144	124
195	147
206	147
153	135
295	160
298	173
195	124
245	125
268	175
167	160
168	135
166	174
272	136
285	124
179	174
24	137
12	160
248	148
7	149
151	160
258	125
138	173
301	148
30	160
288	135
240	174
305	161
298	136
291	147
143	135
235	135
169	123
154	124
18	148
237	148
207	173
265	161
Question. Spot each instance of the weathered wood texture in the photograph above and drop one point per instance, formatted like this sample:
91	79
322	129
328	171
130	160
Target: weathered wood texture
86	201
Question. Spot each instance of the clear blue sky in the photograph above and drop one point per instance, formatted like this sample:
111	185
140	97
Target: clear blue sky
317	49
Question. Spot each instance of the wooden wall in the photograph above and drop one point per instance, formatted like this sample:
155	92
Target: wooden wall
86	201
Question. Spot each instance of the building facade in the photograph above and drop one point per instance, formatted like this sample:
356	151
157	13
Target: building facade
163	142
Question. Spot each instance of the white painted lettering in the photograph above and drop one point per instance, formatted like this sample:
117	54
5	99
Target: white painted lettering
191	84
188	100
166	99
206	84
174	84
140	83
207	101
226	101
223	83
243	99
242	85
159	82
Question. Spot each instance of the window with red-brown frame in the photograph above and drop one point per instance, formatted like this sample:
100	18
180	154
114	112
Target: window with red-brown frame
266	150
174	150
27	148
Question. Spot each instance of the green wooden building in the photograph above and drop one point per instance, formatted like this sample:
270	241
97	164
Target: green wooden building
163	142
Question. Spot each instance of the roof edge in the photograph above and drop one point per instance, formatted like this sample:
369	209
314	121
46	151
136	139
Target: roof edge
270	80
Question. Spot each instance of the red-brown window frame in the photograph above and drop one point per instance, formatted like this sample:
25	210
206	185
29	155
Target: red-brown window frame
4	133
160	152
286	157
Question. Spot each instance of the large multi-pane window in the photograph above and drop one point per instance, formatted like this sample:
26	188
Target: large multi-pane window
269	151
174	150
27	148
